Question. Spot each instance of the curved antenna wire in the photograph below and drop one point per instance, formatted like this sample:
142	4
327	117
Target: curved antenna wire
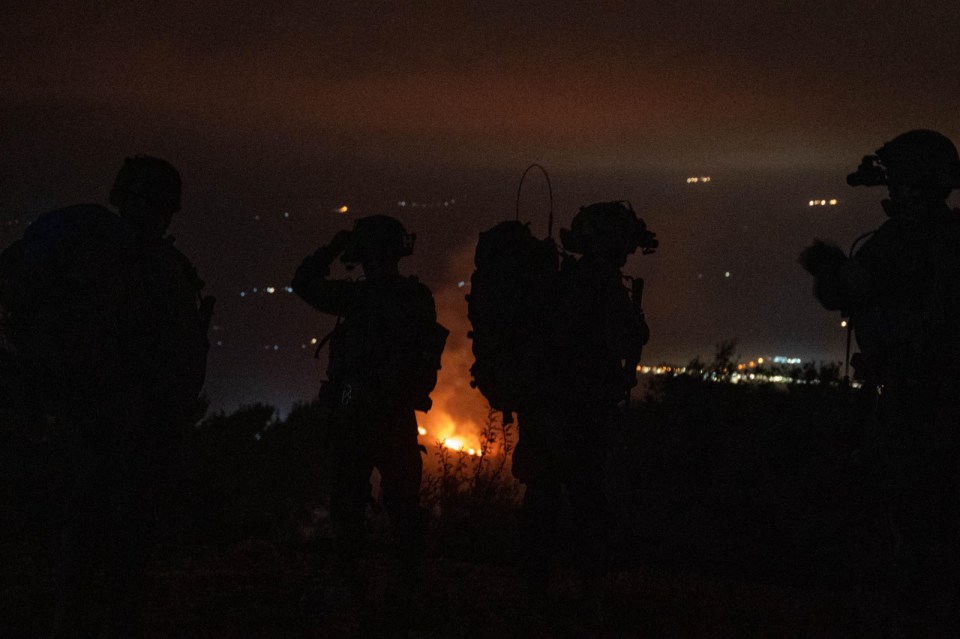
549	190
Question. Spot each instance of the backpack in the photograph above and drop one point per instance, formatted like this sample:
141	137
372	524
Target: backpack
511	298
59	289
422	373
388	346
65	295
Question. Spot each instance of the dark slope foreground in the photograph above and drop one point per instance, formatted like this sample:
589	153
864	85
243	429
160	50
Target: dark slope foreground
740	511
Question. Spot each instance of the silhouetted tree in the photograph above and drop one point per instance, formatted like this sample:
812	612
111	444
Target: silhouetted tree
725	358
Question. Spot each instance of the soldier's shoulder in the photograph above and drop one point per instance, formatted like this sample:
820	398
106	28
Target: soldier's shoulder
72	221
416	287
170	250
412	292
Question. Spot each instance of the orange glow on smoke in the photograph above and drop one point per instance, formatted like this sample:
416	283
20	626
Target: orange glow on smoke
459	411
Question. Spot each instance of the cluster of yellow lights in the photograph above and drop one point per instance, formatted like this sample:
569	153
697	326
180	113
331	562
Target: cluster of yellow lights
822	203
453	443
695	180
656	370
750	364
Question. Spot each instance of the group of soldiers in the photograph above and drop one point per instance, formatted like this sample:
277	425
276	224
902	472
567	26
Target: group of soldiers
117	354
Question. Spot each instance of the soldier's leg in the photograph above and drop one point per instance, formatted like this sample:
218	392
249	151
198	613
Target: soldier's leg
80	551
350	491
906	501
939	478
542	503
75	573
401	469
130	535
589	507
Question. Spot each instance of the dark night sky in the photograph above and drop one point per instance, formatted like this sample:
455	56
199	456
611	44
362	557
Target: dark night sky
300	107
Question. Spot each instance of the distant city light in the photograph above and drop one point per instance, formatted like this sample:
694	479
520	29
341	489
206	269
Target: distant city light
710	374
726	274
270	290
698	180
343	209
436	204
843	323
313	341
461	284
286	214
832	202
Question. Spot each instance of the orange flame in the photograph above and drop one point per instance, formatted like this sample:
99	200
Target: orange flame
459	411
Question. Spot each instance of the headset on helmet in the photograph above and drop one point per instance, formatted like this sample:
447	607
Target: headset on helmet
378	236
616	219
920	158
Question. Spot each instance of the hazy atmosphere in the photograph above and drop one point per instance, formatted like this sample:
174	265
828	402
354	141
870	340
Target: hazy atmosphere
277	116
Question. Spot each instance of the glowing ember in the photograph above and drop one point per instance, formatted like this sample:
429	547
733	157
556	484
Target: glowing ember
421	430
453	443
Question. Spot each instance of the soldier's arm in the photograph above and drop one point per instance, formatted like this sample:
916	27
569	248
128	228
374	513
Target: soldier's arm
311	280
829	267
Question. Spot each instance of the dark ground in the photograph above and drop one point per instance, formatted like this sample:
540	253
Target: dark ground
740	511
252	589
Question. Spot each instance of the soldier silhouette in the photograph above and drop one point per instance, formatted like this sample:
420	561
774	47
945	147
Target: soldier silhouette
596	337
383	361
901	290
108	315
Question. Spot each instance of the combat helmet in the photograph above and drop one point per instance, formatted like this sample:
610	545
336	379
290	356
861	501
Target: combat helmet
378	237
920	158
608	220
146	179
